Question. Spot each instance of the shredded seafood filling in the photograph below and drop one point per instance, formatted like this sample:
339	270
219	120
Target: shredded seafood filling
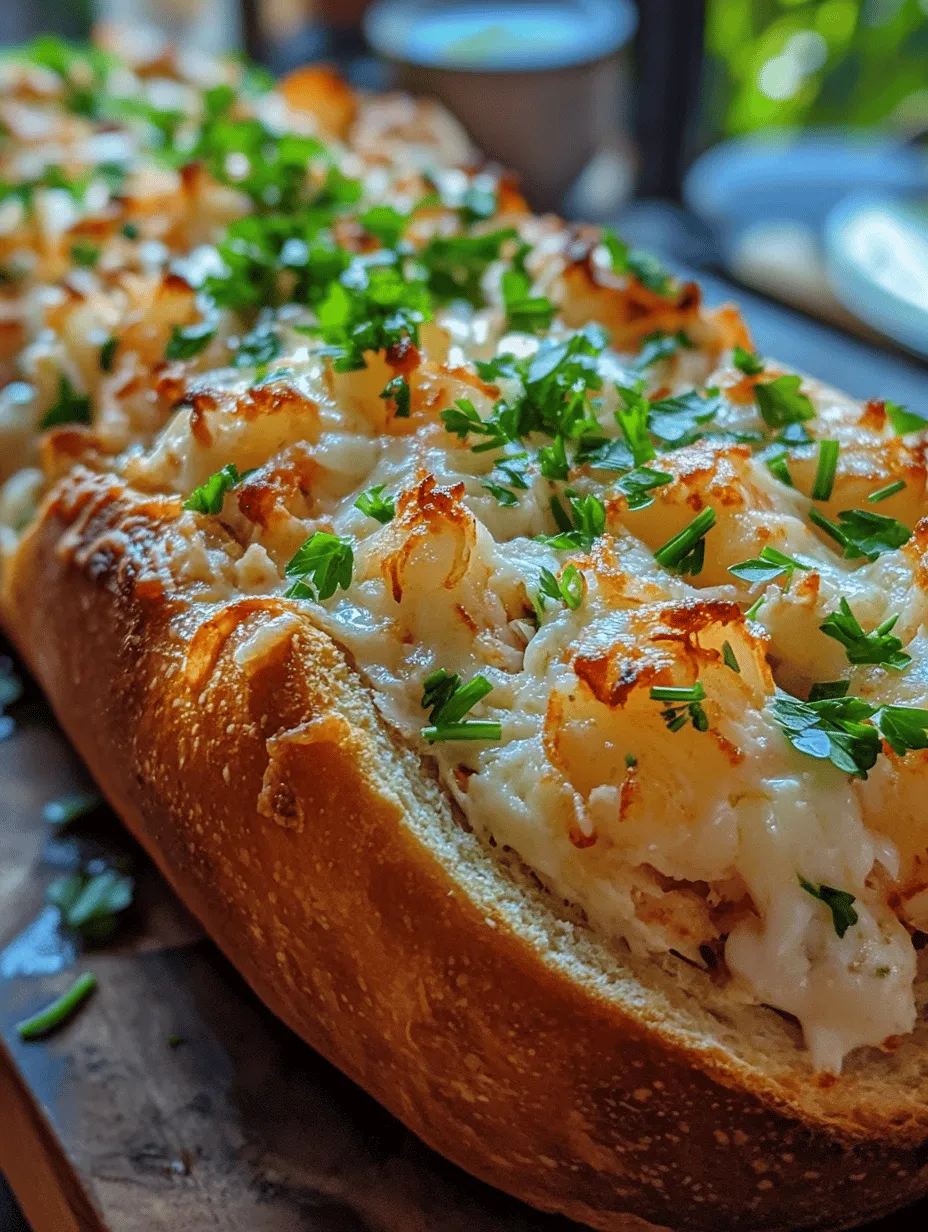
655	606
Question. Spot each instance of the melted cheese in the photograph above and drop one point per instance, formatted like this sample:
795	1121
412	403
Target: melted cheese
687	841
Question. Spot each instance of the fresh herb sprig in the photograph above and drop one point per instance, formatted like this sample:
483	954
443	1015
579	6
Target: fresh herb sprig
879	647
839	902
448	701
684	705
324	563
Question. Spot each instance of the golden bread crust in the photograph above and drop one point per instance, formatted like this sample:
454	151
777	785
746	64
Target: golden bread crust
270	793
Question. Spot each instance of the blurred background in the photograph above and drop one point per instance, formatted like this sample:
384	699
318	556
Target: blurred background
781	142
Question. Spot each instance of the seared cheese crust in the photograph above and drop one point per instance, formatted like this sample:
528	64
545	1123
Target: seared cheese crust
463	439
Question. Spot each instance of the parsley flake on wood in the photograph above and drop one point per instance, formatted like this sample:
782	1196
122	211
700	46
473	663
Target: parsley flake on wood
375	505
209	496
69	407
780	403
90	903
60	1010
685	552
839	902
449	701
863	533
878	647
684	705
325	562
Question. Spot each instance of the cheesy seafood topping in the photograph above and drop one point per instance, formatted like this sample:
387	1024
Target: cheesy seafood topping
655	606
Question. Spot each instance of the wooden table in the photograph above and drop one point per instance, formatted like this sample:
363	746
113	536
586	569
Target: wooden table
240	1128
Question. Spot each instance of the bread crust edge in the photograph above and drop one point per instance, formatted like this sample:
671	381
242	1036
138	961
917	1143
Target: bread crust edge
264	794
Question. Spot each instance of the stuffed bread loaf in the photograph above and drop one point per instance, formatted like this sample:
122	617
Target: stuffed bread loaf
520	677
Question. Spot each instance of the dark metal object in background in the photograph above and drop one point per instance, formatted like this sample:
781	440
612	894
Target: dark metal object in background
669	59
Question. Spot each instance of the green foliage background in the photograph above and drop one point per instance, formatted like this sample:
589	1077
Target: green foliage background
865	63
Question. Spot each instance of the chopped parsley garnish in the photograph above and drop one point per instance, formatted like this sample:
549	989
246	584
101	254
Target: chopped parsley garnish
463	419
728	658
685	552
385	223
525	313
770	564
587	524
684	705
455	265
377	506
831	728
780	403
903	420
186	341
64	810
130	231
108	353
823	689
209	496
825	471
605	455
748	362
878	647
449	701
903	728
90	903
658	346
638	485
396	391
325	562
371	307
634	261
60	1010
677	421
70	407
882	493
84	253
838	902
511	470
632	417
778	466
568	588
259	347
863	533
553	460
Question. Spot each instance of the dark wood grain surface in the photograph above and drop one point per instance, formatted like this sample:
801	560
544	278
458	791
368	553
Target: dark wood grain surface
240	1128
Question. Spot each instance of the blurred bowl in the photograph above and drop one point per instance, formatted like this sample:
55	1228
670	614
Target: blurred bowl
877	258
538	84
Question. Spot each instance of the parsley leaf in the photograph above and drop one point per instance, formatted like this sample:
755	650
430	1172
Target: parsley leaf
634	261
209	496
748	362
259	347
449	701
463	419
84	253
766	567
69	407
839	903
638	484
863	533
658	346
904	728
371	307
830	728
878	647
780	403
676	421
903	420
569	588
108	353
397	391
455	265
90	903
553	460
385	223
587	524
525	313
325	562
186	341
377	506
